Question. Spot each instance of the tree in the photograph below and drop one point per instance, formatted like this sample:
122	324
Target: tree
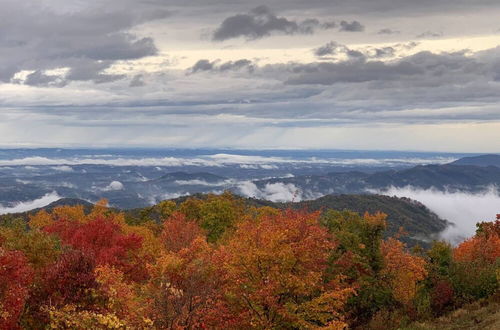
121	298
15	277
183	287
476	263
403	270
179	233
274	273
359	260
217	214
104	241
484	246
69	281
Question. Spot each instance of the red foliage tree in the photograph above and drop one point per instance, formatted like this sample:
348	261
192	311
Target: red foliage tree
178	232
69	281
441	295
103	240
15	277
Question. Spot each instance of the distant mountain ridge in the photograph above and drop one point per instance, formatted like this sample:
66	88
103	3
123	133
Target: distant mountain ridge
421	224
447	177
137	186
483	160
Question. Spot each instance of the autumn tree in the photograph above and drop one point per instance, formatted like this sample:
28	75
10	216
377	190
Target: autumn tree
179	233
403	270
121	298
359	259
216	214
183	287
484	246
40	248
104	241
15	277
274	270
476	263
69	281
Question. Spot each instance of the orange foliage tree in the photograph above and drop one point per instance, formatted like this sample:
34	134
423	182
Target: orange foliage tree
403	270
274	273
484	246
183	287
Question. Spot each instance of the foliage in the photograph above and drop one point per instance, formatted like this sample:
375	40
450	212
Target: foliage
212	262
15	278
274	273
403	270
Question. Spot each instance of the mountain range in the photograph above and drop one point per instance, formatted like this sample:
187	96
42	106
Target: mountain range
128	187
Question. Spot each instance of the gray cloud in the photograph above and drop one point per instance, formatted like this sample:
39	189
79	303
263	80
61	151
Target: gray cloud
429	34
334	49
92	70
388	31
137	81
383	52
217	66
55	35
39	78
431	68
351	72
261	22
353	26
331	48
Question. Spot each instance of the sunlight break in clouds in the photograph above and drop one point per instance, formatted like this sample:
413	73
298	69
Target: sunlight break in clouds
461	208
31	205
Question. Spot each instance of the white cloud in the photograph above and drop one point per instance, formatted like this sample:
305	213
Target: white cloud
23	181
218	160
115	185
274	192
30	205
202	183
63	168
461	208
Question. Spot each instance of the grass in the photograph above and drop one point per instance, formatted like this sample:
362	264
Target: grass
482	315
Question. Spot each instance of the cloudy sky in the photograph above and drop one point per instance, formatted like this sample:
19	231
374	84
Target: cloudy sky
357	74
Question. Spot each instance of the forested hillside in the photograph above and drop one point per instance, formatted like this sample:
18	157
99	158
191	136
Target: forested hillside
218	262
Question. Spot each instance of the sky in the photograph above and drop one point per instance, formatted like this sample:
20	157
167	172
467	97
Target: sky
331	74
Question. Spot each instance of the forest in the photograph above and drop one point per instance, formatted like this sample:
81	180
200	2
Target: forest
214	262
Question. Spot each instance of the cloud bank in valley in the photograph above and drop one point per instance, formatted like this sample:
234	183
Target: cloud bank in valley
276	192
463	209
31	205
218	160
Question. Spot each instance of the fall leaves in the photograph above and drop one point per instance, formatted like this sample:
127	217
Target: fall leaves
274	270
217	263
